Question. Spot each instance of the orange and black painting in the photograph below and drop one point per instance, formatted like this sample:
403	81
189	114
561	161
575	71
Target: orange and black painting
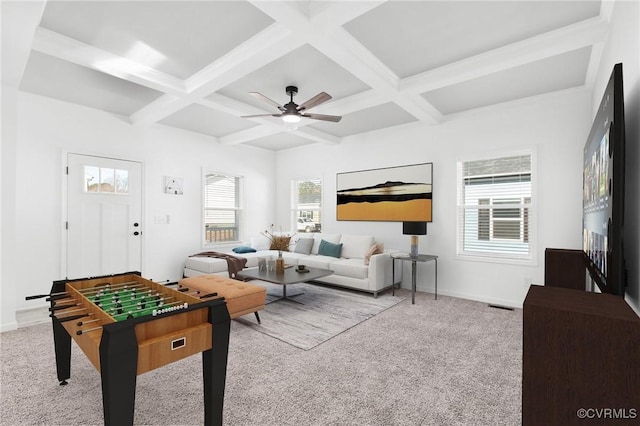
402	194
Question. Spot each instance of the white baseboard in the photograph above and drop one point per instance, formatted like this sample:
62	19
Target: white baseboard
475	297
8	327
31	316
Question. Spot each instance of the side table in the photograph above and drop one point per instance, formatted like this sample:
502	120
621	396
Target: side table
414	260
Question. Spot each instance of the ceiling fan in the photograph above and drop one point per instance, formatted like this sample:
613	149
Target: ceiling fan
292	112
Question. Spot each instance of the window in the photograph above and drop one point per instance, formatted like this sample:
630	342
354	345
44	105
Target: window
494	207
105	180
306	205
221	207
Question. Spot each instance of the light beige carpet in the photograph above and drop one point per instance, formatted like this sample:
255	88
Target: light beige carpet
439	362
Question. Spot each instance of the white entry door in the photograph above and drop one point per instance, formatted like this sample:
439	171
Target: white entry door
104	212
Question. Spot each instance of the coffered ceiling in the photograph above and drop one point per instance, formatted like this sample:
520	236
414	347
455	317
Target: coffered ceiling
385	63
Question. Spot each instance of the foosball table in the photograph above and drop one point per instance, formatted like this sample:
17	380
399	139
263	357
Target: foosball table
128	325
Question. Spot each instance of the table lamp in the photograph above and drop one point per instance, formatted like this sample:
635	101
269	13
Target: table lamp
414	229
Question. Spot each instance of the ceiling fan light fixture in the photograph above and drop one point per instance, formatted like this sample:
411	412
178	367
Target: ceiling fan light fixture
291	118
292	113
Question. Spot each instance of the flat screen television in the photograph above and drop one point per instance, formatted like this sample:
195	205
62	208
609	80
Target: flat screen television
603	191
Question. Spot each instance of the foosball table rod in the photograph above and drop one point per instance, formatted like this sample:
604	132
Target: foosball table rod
60	307
81	323
103	285
88	292
67	312
73	317
50	296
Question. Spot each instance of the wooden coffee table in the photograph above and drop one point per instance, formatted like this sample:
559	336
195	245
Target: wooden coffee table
290	276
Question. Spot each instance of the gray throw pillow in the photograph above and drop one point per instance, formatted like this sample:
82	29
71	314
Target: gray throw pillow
303	246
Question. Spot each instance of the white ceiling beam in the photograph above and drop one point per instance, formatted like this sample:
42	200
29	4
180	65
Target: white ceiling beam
336	14
19	23
251	134
606	10
229	105
317	135
566	39
79	53
306	29
324	31
261	49
349	53
274	127
286	14
267	46
353	103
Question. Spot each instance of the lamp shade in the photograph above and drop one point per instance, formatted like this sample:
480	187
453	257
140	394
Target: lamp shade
414	228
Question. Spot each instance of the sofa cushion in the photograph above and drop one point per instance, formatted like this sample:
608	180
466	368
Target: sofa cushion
330	238
252	258
353	268
208	265
292	258
317	261
329	249
355	246
304	246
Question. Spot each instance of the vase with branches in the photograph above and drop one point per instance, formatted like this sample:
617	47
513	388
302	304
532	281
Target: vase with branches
279	241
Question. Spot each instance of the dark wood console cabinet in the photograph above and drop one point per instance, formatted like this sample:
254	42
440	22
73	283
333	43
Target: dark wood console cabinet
564	268
581	350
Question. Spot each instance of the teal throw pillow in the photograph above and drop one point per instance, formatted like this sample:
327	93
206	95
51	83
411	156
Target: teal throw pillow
329	249
244	249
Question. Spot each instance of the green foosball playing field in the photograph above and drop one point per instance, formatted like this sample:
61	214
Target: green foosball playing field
132	302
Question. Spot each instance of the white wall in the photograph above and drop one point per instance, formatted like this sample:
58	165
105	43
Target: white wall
7	208
623	45
48	129
556	126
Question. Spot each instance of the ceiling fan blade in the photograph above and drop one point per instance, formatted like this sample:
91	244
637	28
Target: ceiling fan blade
261	115
267	100
316	100
334	118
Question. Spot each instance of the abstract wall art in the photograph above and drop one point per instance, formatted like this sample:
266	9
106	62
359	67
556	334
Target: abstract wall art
392	194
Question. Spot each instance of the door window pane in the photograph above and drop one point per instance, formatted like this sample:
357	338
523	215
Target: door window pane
92	178
104	180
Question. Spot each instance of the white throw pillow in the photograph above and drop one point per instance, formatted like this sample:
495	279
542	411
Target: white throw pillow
355	246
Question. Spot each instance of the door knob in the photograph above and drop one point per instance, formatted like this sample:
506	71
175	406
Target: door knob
136	233
135	224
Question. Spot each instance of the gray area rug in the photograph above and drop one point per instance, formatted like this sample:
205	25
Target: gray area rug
322	313
439	362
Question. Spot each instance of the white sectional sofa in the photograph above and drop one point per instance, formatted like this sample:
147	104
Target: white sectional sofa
355	266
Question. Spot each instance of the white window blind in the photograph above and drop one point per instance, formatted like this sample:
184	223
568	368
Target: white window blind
306	205
221	200
494	207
